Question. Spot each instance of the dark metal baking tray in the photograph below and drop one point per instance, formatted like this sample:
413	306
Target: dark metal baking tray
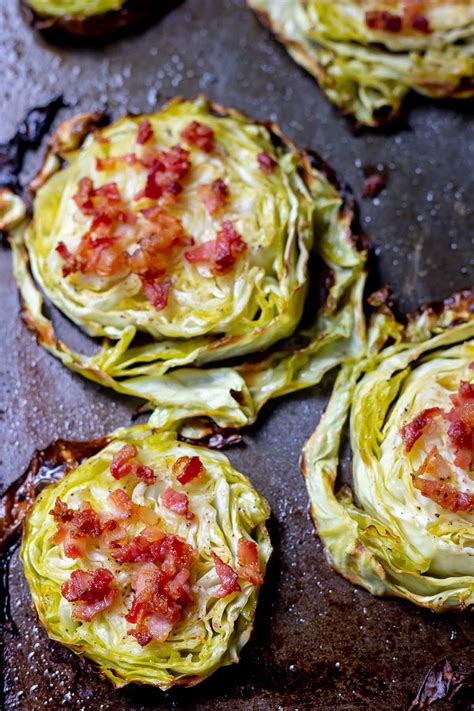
319	643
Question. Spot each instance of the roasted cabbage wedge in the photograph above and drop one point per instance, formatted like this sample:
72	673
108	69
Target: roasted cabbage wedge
154	587
368	54
407	529
241	214
91	18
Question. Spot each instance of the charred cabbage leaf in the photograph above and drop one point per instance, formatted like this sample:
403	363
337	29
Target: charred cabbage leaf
367	54
217	217
407	529
118	511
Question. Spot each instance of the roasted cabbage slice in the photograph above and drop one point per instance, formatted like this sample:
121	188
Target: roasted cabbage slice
184	238
367	54
148	559
91	18
409	529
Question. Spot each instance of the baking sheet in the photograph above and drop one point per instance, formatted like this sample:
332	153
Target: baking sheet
319	643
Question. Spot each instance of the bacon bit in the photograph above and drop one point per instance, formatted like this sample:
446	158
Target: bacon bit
460	434
413	430
439	489
141	548
153	609
166	168
466	390
122	464
185	469
152	256
463	458
92	589
156	292
214	195
266	162
221	252
162	587
228	245
145	132
249	563
421	24
73	527
197	134
383	20
227	576
177	502
125	508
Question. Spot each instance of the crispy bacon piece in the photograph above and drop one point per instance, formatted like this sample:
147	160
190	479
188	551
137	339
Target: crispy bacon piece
157	292
412	431
124	462
221	252
197	134
125	508
214	195
166	170
145	132
227	576
90	588
75	526
98	252
249	563
383	20
420	23
177	502
141	548
229	244
185	469
162	588
266	162
460	434
154	252
153	609
97	201
439	488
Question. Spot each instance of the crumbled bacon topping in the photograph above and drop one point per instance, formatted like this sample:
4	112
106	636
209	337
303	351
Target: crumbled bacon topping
214	195
412	431
266	162
125	462
197	134
166	170
145	132
125	508
227	576
220	253
412	18
185	469
421	24
103	250
177	502
74	527
249	562
383	20
161	583
440	486
90	589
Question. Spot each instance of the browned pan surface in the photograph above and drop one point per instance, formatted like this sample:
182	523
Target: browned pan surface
319	643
